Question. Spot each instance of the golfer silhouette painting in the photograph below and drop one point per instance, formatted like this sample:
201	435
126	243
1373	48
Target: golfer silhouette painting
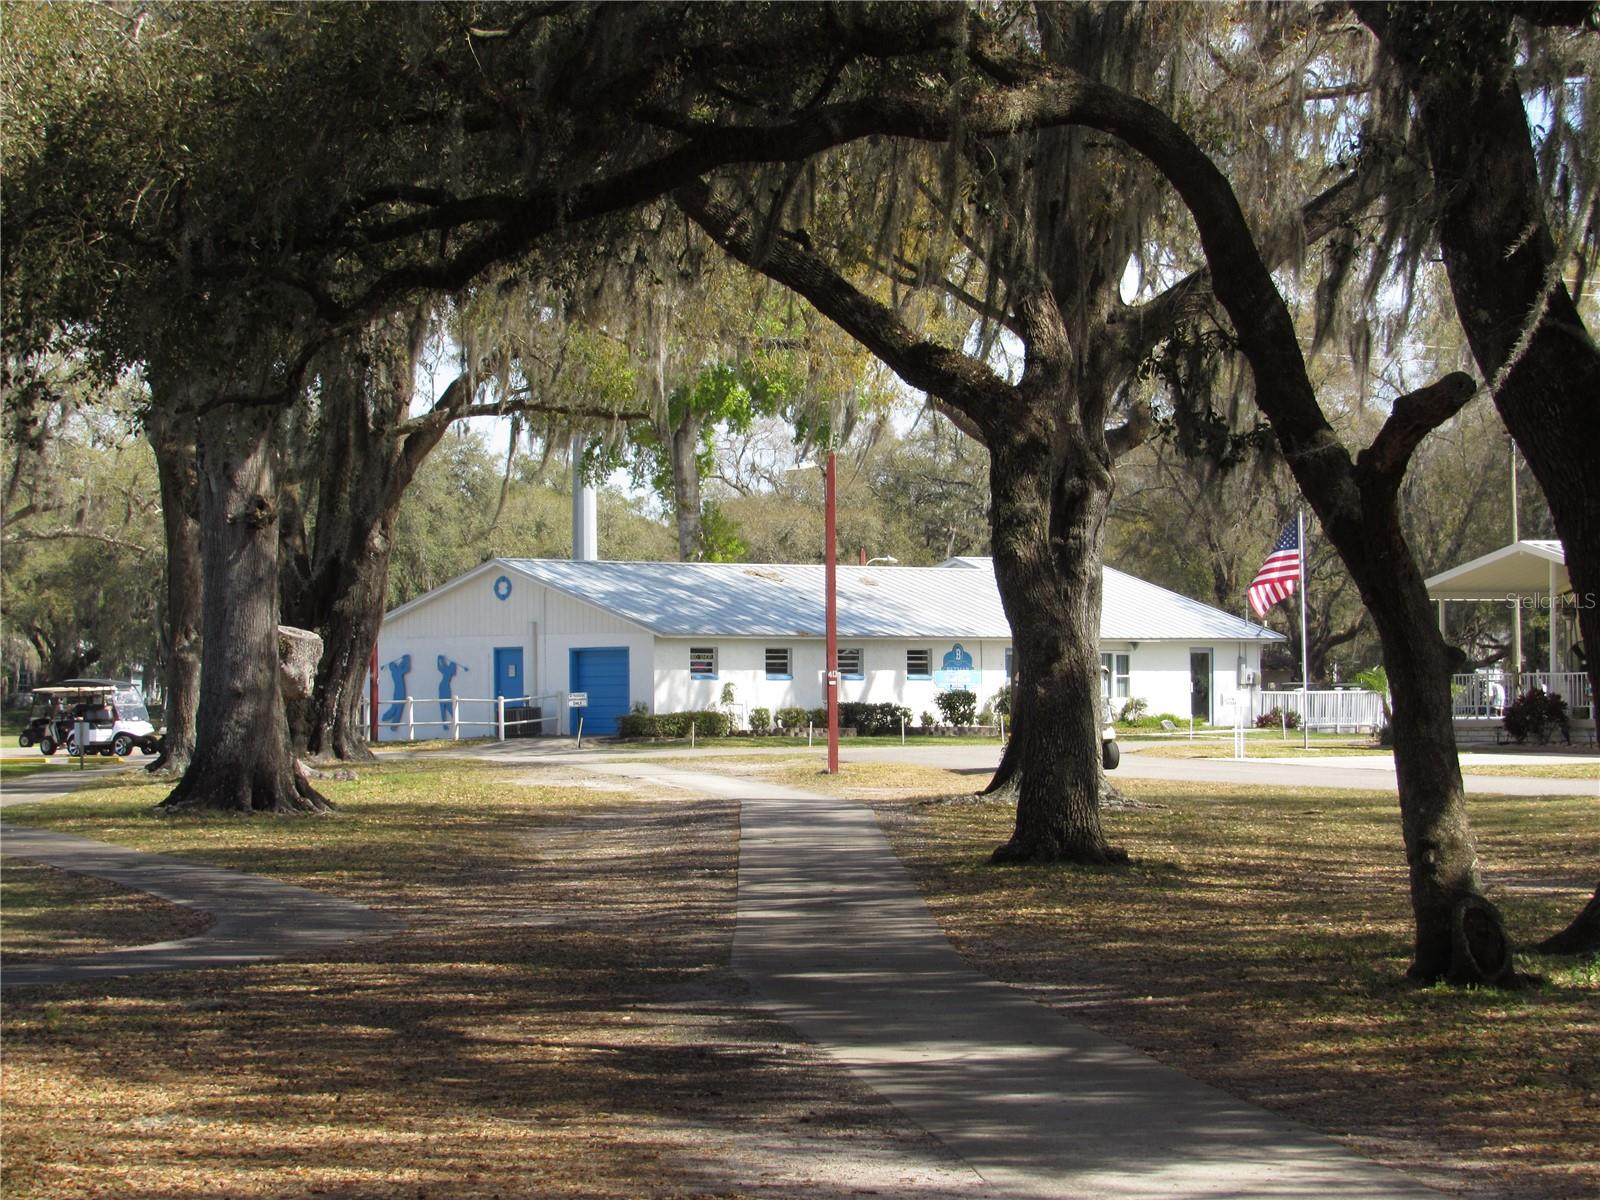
447	673
398	670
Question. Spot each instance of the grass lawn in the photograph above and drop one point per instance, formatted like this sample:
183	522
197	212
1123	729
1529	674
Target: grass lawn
559	1018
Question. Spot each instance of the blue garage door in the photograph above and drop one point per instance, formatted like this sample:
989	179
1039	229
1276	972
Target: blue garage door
603	673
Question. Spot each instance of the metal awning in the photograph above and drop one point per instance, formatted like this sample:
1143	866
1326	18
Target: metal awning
1527	568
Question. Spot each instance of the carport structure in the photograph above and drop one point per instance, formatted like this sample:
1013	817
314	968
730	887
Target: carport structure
1528	576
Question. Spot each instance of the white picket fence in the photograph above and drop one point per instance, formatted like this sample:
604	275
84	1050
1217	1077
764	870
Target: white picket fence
1337	710
1485	694
417	719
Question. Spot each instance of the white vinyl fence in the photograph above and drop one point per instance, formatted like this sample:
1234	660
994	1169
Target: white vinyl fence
500	717
1338	710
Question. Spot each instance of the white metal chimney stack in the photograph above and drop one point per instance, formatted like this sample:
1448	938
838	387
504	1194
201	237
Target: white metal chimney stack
585	522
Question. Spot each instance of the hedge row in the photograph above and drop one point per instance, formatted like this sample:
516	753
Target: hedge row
707	723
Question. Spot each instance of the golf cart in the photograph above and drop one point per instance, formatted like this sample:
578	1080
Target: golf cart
38	724
109	715
1110	752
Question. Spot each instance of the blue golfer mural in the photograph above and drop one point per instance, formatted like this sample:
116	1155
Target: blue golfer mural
447	674
398	670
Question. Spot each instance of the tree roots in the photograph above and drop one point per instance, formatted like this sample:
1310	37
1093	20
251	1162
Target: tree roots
1047	851
1582	936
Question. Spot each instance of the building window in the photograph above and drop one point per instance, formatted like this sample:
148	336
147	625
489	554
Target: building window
849	664
778	665
1116	666
703	662
919	664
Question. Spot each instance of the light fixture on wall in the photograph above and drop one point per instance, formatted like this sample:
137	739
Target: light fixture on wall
887	558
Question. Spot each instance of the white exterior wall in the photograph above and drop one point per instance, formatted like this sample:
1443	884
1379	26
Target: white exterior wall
1159	674
466	624
742	662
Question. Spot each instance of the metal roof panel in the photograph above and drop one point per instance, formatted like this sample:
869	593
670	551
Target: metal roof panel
786	600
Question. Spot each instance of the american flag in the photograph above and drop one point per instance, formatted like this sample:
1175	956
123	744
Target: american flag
1278	575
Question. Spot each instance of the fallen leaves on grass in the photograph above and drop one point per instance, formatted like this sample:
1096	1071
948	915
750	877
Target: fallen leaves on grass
559	1019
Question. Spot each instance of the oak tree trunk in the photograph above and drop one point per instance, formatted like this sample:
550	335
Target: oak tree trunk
171	433
362	458
1047	519
685	447
243	761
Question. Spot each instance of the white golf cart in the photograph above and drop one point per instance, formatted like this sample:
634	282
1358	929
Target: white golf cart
108	715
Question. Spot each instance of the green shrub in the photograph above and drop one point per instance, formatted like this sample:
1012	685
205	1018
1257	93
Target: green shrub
791	718
927	720
707	723
818	717
1002	702
1537	714
959	706
1276	718
760	720
1133	710
872	720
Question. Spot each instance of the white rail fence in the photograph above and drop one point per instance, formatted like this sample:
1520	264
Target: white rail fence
1338	710
1485	694
417	719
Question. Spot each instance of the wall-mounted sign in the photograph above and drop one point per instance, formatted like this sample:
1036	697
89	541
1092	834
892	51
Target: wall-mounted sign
955	670
502	588
578	700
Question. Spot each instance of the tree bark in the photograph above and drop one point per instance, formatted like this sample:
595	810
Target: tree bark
1580	937
243	761
683	442
1048	509
363	458
171	434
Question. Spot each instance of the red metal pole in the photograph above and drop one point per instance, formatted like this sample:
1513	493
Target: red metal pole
372	695
831	667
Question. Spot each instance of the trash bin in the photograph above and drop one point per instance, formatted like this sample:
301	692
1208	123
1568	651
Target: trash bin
524	721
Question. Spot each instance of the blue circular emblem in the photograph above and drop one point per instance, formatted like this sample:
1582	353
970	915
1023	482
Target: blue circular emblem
502	588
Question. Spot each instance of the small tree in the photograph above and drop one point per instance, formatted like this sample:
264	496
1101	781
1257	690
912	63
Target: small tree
959	706
1537	714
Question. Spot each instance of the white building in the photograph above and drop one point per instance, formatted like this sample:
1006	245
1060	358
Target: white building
672	636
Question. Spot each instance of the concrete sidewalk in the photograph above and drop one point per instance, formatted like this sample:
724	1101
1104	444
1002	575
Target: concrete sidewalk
835	937
256	919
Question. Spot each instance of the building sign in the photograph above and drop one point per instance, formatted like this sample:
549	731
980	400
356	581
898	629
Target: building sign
955	670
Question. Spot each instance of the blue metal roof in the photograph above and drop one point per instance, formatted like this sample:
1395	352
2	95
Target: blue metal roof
959	600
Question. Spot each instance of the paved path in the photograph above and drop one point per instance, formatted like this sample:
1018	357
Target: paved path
257	919
834	935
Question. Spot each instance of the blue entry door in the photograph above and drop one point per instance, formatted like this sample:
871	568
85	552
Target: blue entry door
508	680
602	672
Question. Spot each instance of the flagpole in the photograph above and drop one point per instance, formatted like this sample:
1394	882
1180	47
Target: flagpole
1305	645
